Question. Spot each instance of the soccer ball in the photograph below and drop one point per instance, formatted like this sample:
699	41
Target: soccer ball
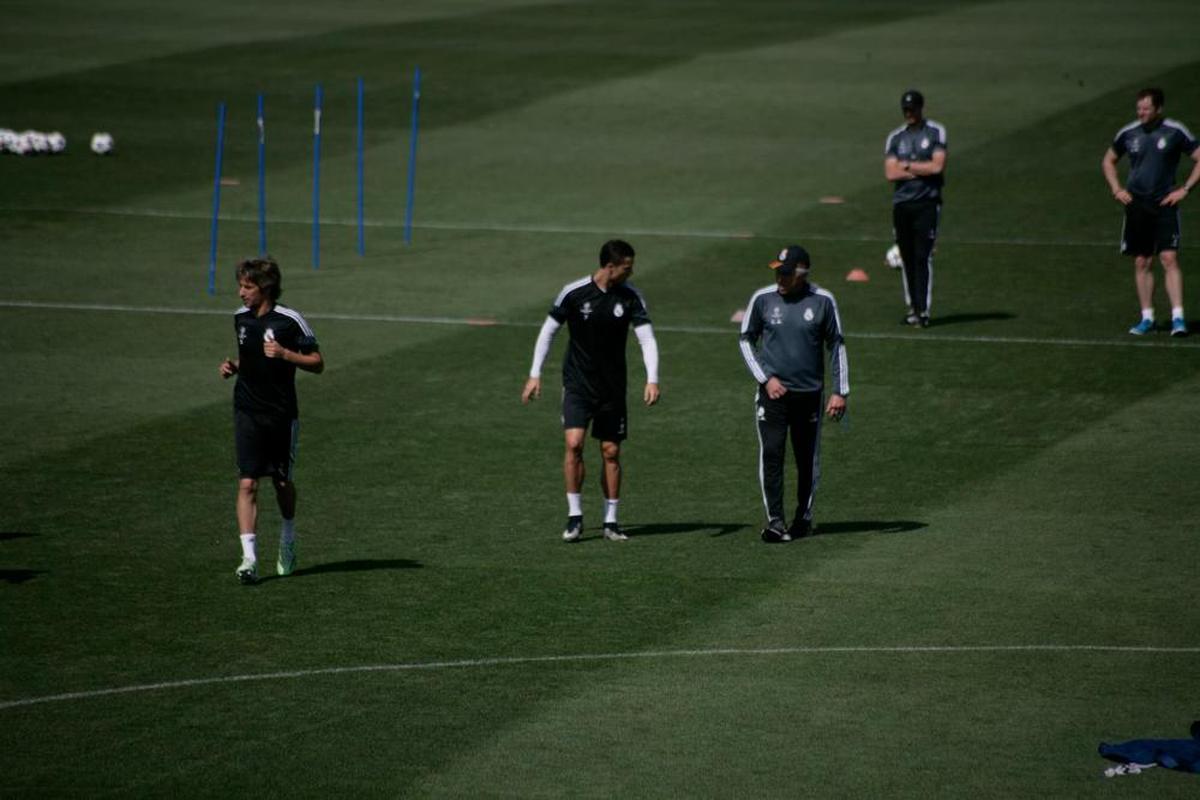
37	142
893	258
20	144
102	143
8	140
57	141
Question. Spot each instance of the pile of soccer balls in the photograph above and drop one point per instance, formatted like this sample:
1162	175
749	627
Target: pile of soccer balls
37	143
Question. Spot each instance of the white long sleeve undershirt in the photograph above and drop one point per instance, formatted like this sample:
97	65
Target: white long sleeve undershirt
645	335
542	348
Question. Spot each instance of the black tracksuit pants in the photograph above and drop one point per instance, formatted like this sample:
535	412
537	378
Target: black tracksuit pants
915	225
798	415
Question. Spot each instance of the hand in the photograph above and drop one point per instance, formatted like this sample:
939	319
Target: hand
1123	197
775	389
532	390
228	368
836	407
651	394
1175	197
272	349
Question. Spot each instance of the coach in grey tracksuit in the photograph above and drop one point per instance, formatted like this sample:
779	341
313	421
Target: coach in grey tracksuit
784	330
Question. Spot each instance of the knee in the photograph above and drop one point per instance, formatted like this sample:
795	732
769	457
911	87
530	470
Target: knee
1169	261
611	451
248	487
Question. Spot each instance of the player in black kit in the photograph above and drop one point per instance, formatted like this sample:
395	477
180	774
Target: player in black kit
598	311
273	342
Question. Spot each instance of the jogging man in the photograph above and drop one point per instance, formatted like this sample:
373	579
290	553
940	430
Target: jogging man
789	323
1151	226
273	342
598	311
915	161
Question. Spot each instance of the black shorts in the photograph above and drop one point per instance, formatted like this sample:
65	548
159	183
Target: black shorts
266	444
1149	228
609	418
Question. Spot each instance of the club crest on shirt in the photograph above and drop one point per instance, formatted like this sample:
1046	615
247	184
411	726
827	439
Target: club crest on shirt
808	315
1162	143
925	143
1135	145
242	334
586	309
776	316
618	310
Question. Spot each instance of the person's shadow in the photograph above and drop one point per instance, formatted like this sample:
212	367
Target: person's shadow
353	565
960	319
665	528
869	526
19	575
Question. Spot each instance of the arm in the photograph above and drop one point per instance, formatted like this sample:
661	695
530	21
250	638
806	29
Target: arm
751	332
228	368
839	365
1108	166
309	362
645	336
934	166
533	385
1176	197
894	170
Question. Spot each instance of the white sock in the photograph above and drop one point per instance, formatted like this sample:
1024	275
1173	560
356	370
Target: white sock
1148	313
248	546
287	533
574	504
1177	312
610	511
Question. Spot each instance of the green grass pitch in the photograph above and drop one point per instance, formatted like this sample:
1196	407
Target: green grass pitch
1006	571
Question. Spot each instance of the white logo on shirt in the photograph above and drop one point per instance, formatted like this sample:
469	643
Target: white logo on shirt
925	143
586	309
776	317
1162	143
808	315
618	310
242	335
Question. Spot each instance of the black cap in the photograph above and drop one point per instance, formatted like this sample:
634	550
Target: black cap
912	99
792	259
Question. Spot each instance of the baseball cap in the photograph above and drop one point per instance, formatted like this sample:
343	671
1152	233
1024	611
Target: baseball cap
912	99
791	259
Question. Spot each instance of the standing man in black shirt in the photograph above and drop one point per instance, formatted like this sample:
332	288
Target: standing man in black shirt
1151	226
915	161
273	342
598	311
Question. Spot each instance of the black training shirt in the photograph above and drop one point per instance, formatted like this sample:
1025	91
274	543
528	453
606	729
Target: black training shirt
1154	152
268	385
598	322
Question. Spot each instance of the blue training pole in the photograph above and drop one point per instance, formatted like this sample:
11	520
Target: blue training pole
212	255
362	241
412	156
262	178
316	237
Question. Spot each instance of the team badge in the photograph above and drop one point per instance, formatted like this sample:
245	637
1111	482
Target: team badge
618	310
808	315
242	334
776	317
925	143
1162	143
586	309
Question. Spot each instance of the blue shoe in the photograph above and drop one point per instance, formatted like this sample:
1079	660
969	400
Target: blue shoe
1179	327
1142	328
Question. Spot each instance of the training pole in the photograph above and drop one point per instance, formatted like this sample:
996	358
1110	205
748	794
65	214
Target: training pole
316	237
412	156
262	179
212	253
362	240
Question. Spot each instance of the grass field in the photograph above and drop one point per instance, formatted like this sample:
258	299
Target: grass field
1006	570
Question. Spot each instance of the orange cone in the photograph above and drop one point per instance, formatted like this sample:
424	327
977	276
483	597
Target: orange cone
858	276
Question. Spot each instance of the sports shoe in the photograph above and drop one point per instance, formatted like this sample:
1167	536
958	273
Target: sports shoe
775	532
247	572
799	528
911	319
923	321
1143	327
1179	327
612	532
285	564
573	529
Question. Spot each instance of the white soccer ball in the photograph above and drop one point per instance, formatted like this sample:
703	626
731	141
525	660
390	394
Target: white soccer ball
8	140
20	144
893	258
102	143
57	141
37	142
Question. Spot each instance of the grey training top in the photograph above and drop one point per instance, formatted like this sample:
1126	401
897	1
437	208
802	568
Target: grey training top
1154	153
917	144
792	329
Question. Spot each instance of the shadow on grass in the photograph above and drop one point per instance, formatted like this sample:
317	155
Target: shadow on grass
9	535
664	528
869	526
960	319
19	575
354	565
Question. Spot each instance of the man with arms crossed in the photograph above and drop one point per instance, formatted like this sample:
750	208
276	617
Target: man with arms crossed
273	342
784	330
598	311
1154	145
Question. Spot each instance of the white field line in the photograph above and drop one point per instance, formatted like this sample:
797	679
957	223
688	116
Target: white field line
594	657
730	330
548	229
